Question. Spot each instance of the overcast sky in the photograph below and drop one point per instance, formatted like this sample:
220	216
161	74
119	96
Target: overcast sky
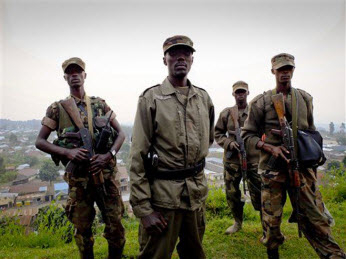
121	43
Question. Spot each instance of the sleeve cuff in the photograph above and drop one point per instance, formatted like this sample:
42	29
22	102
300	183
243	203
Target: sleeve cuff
49	123
143	209
226	144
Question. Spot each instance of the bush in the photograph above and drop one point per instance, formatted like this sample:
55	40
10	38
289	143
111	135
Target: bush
335	188
216	203
52	219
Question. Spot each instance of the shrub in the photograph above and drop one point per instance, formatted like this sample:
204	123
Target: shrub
334	189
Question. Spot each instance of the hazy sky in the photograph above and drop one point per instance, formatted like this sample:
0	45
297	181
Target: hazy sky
121	43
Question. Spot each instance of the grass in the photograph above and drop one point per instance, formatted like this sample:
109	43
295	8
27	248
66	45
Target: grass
49	243
244	244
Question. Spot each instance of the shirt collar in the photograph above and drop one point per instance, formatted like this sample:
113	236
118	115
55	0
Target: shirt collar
167	88
77	100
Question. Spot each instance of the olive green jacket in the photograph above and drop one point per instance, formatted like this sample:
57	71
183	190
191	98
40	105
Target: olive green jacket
263	117
224	137
180	135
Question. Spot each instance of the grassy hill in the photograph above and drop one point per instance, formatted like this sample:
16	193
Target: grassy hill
49	243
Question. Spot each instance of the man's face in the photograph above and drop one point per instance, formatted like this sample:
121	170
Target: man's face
283	74
178	60
74	75
240	95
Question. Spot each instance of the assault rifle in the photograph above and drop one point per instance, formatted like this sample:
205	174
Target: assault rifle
87	143
240	142
288	142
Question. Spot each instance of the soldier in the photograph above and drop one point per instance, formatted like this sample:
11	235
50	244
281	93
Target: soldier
174	128
232	166
94	114
312	217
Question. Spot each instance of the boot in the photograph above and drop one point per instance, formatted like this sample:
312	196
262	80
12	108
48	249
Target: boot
273	253
87	253
114	252
235	228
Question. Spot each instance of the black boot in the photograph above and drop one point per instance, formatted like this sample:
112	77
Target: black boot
114	252
273	253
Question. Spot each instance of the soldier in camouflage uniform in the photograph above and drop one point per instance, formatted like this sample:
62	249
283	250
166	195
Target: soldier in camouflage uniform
313	218
80	205
232	168
174	126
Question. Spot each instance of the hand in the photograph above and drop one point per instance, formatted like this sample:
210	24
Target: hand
99	161
277	151
234	146
77	154
154	223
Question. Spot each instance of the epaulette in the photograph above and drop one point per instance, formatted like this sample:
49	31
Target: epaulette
200	88
303	92
255	99
226	109
149	89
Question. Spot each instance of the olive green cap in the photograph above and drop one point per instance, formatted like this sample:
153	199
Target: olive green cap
282	59
240	85
176	41
73	61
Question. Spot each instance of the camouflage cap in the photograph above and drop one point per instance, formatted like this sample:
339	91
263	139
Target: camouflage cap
240	85
282	59
177	40
77	61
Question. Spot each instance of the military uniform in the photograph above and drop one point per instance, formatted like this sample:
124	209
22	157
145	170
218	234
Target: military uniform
80	204
177	125
314	222
232	168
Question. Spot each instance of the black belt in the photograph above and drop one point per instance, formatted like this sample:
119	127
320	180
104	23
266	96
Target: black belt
179	174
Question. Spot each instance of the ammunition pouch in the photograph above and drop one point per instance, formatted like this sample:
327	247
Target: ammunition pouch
179	174
100	123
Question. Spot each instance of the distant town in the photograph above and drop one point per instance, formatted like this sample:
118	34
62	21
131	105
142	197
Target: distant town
30	180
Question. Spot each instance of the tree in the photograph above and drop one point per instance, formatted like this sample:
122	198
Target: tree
342	128
331	128
2	164
48	172
31	160
13	139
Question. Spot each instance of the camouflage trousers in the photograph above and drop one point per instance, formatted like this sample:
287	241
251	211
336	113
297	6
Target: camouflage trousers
314	222
81	212
188	225
232	179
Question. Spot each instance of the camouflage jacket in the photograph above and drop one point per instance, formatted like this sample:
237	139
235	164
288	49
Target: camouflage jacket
57	119
223	137
263	117
181	135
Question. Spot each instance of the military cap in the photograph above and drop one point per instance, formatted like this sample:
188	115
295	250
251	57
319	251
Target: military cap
76	61
240	85
176	41
282	59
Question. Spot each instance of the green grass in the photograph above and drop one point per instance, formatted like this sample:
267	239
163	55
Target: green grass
244	244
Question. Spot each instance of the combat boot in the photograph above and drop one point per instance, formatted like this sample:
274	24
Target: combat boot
235	228
273	253
114	252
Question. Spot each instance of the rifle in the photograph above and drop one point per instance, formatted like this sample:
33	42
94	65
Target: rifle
87	143
240	142
288	142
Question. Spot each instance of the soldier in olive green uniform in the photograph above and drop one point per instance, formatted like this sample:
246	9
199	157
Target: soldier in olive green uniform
174	127
313	219
94	113
232	167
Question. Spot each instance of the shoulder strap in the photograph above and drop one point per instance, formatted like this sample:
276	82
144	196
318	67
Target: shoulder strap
89	111
70	107
295	118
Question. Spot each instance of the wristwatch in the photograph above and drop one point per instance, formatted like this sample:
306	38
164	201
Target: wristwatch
113	152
